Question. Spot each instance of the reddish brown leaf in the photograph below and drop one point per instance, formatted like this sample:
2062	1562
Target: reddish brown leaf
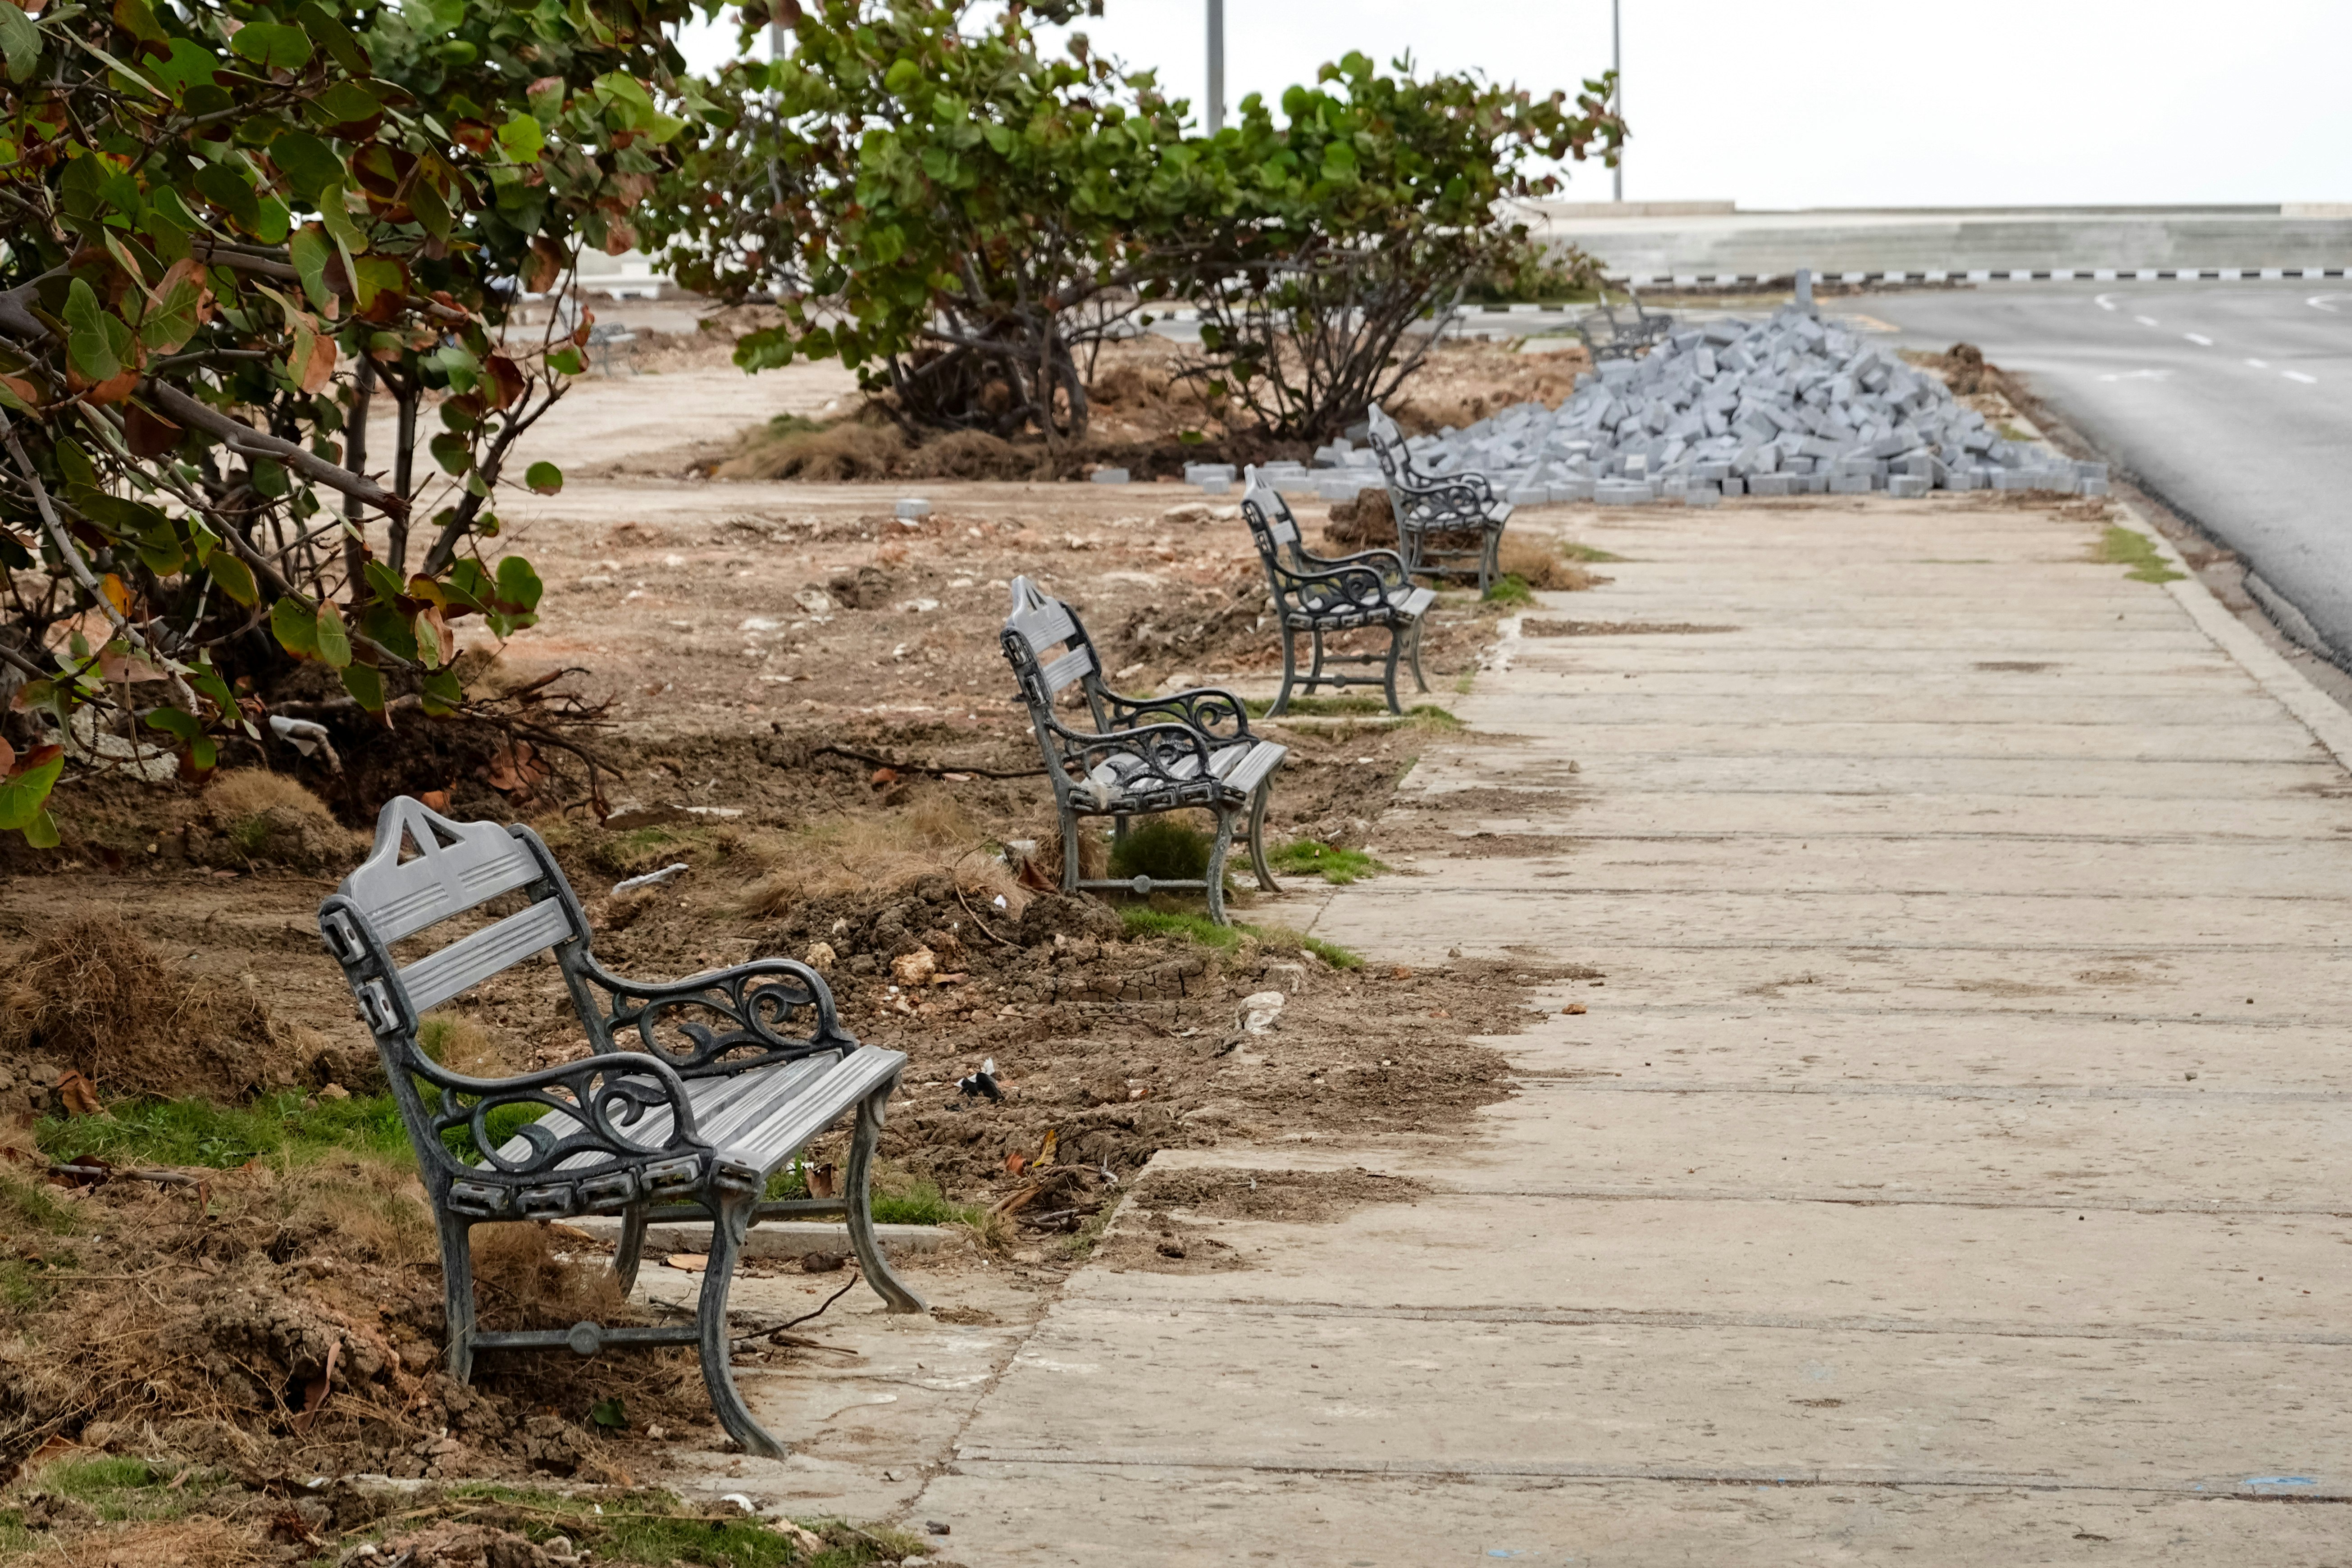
506	380
150	435
543	265
315	1391
78	1095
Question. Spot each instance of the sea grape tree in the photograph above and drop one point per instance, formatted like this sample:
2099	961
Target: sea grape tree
231	231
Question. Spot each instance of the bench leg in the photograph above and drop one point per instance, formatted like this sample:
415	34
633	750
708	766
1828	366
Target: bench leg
1418	679
1315	676
1217	864
1289	672
1069	851
731	1218
859	1197
632	1248
1265	881
1388	674
458	1290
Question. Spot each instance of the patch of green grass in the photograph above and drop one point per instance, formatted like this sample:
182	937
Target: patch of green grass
1430	716
1510	588
199	1132
1588	553
1144	921
657	1529
1464	681
28	1206
123	1489
1089	1234
2010	432
1162	848
1320	706
1339	867
2127	547
793	425
920	1201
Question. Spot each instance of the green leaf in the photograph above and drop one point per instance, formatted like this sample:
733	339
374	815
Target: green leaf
235	577
20	41
273	46
345	104
308	165
96	341
365	685
42	833
176	723
566	361
610	1415
22	797
171	318
385	583
441	693
229	190
522	139
544	477
296	628
518	585
332	34
449	449
308	250
334	641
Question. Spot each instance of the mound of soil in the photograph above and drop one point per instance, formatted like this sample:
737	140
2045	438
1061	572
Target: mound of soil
291	1322
91	995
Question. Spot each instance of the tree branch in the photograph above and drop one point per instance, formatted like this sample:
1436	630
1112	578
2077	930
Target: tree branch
246	442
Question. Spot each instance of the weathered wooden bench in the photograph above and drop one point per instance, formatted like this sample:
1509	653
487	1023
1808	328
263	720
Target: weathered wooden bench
1448	525
695	1093
1142	756
1319	595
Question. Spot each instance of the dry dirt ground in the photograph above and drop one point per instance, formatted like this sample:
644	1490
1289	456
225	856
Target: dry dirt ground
803	700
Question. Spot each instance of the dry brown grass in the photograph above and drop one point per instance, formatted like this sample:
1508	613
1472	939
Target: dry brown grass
1094	850
933	833
849	450
973	454
521	1281
94	993
1537	562
192	1542
266	816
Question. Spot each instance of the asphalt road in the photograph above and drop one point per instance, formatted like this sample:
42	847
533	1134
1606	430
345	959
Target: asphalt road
2230	402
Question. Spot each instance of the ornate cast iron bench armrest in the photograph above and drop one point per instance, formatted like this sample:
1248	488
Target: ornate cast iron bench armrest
749	1005
1156	748
1362	587
605	1094
1387	563
1216	713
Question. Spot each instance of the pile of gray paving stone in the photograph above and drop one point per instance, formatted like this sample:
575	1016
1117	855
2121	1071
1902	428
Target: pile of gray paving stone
1784	406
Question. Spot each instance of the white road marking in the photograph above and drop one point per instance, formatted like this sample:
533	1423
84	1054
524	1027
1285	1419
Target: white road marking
2139	375
2106	301
2319	303
2199	339
2298	375
2260	364
2147	321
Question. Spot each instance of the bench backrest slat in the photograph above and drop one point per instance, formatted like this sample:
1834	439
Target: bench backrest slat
1074	665
434	979
457	865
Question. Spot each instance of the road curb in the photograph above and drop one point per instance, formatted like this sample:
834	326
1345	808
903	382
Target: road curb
2329	724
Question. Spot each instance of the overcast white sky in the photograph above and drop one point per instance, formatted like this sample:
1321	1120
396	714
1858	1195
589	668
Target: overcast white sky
1854	102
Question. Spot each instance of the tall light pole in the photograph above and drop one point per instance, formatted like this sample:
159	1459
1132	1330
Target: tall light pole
1616	90
1216	66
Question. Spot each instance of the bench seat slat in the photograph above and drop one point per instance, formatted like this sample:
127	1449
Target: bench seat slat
432	980
767	1112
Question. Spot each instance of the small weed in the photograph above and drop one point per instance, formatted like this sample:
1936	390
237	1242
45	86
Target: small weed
658	1530
1430	716
126	1490
1089	1234
1332	954
2010	432
1306	858
200	1132
922	1203
2126	547
1464	681
24	1204
1587	553
1164	849
1510	589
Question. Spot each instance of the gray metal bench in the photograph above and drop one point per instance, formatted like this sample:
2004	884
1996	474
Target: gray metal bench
1319	595
1608	335
1143	755
1448	525
723	1078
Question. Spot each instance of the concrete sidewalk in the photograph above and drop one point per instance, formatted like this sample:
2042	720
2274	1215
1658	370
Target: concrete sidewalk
1945	1172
